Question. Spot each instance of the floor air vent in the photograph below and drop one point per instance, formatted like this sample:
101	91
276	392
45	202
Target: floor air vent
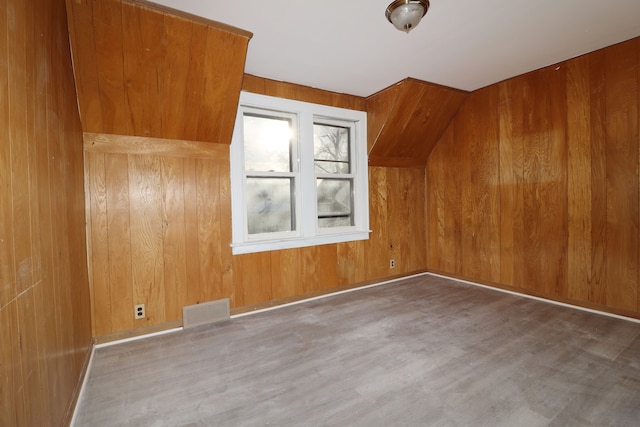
205	313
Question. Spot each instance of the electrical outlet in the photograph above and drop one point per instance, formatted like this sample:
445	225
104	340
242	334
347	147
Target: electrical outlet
139	311
392	263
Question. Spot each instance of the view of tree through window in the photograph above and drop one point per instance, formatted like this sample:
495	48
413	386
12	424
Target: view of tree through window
332	148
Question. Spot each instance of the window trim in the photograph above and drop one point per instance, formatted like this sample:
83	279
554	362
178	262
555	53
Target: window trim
308	232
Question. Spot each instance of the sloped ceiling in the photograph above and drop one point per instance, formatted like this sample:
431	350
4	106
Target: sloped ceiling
349	47
146	71
406	120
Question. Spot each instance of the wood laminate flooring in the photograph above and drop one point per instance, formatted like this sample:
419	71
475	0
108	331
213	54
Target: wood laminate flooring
417	352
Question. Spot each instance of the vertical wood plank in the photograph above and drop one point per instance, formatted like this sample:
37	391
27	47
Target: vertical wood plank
434	211
535	128
452	252
480	197
286	274
107	36
145	199
395	201
118	216
519	183
208	200
223	168
507	116
378	112
176	69
34	95
553	218
81	32
319	267
195	87
10	367
406	237
29	353
415	249
622	175
45	291
99	244
174	237
216	116
142	52
488	219
252	278
192	243
47	335
352	262
17	71
598	184
7	272
378	249
580	246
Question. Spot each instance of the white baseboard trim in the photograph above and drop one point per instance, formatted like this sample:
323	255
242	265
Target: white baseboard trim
550	301
359	288
138	337
82	387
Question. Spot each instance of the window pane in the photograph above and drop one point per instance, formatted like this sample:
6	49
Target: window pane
267	143
331	148
270	205
334	202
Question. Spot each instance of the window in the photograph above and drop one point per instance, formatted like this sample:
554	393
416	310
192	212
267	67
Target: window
298	175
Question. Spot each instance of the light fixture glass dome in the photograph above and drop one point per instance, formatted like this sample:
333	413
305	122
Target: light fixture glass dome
406	14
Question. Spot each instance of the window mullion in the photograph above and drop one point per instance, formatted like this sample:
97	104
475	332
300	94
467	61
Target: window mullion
307	184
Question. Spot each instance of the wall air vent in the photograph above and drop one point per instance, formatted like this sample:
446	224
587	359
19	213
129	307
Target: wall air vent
205	313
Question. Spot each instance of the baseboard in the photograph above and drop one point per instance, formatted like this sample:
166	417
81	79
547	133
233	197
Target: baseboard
564	302
137	333
299	299
70	418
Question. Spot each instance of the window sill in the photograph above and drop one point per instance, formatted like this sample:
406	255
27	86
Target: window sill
298	242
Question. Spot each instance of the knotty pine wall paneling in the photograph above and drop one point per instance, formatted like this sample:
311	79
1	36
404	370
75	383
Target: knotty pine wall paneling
549	162
147	70
45	333
621	72
479	230
406	121
160	227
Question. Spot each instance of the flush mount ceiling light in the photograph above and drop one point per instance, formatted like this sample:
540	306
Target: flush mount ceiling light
406	14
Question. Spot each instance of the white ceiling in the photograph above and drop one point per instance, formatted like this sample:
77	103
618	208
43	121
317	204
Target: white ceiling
348	45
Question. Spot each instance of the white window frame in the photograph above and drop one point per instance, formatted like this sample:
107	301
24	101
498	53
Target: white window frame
307	232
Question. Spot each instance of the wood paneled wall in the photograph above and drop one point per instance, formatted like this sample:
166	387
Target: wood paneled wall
281	89
45	332
535	184
159	227
160	224
406	120
146	70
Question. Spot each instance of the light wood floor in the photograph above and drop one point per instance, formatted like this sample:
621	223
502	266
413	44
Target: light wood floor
422	351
